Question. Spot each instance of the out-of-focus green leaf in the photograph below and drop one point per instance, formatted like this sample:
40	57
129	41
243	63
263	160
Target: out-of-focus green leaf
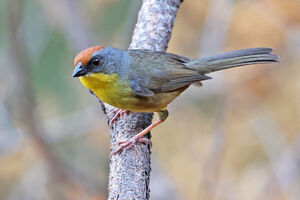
49	74
34	29
113	17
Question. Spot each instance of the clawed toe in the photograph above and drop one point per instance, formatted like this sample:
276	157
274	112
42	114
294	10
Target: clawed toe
146	141
127	144
140	137
118	112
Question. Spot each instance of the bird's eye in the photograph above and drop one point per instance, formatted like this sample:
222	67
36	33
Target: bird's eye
96	62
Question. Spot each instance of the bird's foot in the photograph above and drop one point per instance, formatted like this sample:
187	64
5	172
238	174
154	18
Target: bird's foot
127	144
118	112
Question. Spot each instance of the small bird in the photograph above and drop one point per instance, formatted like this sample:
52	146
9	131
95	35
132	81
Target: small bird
141	80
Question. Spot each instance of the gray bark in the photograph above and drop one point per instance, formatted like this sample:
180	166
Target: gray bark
129	173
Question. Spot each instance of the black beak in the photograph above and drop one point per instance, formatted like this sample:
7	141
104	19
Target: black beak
79	71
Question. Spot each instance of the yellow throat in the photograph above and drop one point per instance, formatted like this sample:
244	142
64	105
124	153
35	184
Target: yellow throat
96	81
108	87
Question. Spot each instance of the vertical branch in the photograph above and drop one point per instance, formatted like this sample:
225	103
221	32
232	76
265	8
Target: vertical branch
130	170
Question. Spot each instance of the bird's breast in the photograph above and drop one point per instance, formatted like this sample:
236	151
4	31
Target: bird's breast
110	89
118	93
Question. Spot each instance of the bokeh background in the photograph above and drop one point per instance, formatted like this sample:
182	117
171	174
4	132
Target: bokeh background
238	137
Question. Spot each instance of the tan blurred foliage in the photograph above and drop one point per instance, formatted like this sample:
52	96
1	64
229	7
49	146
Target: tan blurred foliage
237	137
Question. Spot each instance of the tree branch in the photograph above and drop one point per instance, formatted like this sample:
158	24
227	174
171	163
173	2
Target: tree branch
130	170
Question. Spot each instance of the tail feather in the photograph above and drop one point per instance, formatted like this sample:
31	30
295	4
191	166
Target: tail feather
233	59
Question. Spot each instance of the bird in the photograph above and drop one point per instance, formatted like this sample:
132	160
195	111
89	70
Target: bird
140	80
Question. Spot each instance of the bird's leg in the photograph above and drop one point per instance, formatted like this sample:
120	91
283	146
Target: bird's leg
118	112
163	114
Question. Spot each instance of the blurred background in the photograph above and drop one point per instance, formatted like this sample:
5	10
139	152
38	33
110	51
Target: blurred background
238	137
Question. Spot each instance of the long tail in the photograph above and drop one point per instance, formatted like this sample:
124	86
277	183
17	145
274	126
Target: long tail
233	59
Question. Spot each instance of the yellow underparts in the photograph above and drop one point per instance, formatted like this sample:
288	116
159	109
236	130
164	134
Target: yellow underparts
109	88
116	92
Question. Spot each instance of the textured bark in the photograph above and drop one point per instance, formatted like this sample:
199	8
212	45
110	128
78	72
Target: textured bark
130	170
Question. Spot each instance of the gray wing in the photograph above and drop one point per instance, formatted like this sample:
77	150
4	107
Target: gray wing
157	72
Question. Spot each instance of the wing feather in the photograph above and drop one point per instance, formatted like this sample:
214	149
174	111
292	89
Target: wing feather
157	72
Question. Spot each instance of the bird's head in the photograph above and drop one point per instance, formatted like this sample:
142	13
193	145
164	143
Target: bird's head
88	61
